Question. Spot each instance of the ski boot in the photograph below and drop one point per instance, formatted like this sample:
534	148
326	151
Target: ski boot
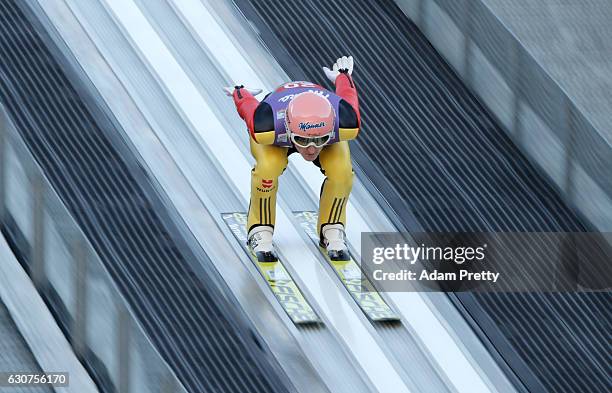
260	244
334	242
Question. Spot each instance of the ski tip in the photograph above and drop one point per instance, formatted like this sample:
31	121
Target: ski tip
314	322
391	319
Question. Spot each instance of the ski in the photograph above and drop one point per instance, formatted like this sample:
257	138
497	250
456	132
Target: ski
276	275
349	272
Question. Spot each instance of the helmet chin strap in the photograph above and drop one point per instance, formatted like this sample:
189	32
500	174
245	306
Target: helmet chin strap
288	130
287	122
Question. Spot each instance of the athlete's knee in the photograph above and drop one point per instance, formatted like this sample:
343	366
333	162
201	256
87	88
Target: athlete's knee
271	166
341	175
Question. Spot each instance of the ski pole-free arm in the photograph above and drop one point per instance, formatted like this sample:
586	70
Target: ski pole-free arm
348	112
350	118
255	114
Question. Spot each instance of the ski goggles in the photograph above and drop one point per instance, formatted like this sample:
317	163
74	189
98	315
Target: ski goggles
304	142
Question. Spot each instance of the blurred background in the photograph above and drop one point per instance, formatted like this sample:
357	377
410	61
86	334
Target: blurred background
120	155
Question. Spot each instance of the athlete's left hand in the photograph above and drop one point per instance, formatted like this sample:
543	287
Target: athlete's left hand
342	65
229	91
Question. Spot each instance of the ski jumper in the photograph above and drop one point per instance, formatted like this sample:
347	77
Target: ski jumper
270	145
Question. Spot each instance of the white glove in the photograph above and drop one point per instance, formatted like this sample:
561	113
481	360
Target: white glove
342	64
229	91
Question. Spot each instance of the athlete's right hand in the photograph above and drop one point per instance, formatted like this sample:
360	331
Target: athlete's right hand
229	91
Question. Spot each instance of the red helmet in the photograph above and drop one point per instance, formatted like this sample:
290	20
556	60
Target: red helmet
310	115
